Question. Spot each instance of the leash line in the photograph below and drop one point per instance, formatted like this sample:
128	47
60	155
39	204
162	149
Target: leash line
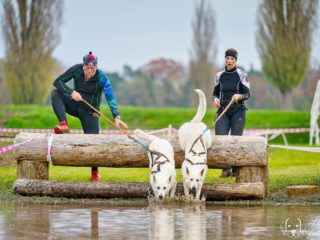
114	125
217	119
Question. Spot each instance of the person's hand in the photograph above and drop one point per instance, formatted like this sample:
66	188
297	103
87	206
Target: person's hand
216	102
236	97
76	96
119	123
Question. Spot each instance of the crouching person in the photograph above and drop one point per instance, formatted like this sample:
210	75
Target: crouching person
89	83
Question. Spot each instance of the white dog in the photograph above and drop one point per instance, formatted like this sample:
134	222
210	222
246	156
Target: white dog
194	167
161	164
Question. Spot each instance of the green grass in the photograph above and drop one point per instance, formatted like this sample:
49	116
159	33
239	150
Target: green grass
285	168
148	118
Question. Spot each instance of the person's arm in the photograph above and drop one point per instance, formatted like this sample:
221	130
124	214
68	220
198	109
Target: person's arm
245	86
108	93
244	91
60	82
216	92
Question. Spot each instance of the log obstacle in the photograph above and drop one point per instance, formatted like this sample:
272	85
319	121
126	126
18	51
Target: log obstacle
248	154
31	187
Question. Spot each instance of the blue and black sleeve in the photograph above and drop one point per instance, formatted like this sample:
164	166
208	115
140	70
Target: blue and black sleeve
108	93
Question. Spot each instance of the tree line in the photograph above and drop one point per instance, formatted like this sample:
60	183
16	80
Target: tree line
284	42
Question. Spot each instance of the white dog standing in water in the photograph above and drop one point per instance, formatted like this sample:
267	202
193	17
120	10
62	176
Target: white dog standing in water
194	166
161	164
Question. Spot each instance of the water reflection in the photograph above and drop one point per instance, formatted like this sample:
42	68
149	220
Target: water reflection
112	220
162	222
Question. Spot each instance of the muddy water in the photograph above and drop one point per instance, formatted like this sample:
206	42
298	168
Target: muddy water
143	220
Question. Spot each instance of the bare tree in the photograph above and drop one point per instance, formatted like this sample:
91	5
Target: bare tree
30	30
203	52
284	40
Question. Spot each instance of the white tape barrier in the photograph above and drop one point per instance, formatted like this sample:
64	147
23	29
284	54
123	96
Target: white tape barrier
304	149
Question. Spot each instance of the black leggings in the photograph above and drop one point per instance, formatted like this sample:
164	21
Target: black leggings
63	104
234	120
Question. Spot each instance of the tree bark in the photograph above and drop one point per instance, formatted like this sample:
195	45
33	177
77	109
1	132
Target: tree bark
33	170
130	190
253	174
120	151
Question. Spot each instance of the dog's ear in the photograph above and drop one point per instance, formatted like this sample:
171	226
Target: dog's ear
187	170
202	172
169	180
154	178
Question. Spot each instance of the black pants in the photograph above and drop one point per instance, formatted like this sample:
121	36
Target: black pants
233	120
63	104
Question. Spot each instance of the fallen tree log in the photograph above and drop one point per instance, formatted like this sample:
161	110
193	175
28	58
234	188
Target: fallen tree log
120	151
211	191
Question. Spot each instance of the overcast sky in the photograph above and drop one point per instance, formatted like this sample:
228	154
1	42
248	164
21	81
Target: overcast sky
131	32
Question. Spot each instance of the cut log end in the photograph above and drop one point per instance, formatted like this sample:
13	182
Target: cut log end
301	190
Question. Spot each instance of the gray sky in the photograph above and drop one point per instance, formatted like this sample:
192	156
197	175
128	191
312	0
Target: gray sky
131	32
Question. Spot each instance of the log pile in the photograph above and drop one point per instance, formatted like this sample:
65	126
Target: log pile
248	154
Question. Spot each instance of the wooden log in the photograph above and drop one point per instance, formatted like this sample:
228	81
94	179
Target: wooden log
29	187
301	190
120	151
253	174
33	170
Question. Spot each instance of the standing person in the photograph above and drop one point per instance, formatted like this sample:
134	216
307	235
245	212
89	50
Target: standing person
89	83
231	84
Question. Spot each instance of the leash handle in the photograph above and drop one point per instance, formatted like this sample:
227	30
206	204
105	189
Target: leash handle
223	112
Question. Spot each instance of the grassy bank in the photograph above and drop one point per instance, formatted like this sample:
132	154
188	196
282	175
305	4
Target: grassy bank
285	168
147	118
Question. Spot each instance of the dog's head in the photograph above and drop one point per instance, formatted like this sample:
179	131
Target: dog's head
194	176
292	227
161	184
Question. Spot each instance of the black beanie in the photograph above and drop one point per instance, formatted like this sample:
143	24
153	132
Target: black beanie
90	60
231	52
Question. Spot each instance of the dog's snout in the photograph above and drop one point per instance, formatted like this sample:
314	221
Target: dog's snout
160	197
194	187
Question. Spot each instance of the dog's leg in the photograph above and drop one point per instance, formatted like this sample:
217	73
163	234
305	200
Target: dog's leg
199	192
186	191
173	189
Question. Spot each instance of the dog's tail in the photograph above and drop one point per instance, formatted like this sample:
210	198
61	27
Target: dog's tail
141	134
201	108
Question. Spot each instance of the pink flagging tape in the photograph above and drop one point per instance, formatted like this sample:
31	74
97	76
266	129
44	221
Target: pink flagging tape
15	146
247	132
6	139
30	130
259	132
304	149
